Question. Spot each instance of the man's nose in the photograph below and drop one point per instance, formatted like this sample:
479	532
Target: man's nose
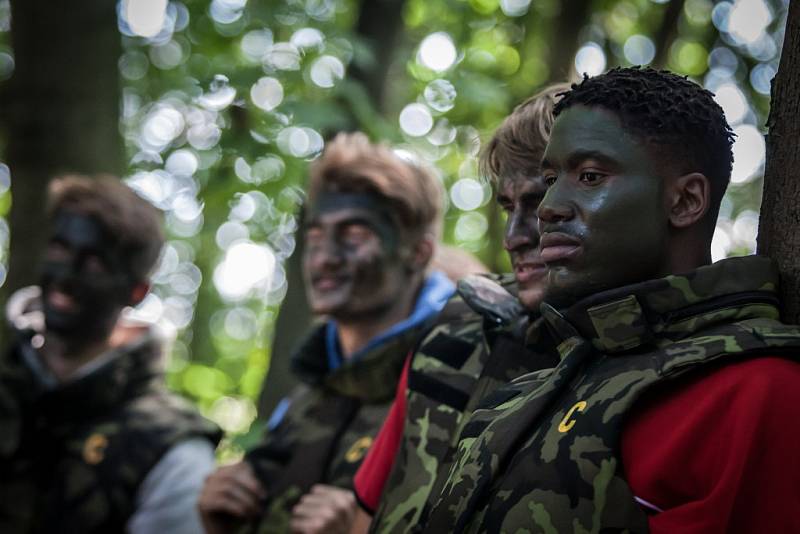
326	255
520	232
556	206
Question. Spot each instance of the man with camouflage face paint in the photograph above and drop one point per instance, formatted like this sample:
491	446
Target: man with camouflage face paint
371	224
92	440
668	409
463	359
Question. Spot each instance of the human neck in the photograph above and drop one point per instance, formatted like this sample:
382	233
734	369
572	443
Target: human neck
356	334
63	357
687	253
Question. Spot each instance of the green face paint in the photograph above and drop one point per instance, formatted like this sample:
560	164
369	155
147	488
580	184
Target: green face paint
603	219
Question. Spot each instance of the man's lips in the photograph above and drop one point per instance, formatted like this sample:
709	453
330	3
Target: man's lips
328	283
60	300
526	271
557	246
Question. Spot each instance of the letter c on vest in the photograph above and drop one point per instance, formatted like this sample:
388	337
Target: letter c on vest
94	449
358	449
567	423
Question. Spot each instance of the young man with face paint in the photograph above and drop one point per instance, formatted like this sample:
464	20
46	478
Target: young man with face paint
464	359
92	441
670	409
371	223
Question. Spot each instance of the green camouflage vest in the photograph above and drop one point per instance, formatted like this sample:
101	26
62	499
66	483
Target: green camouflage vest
542	454
330	423
72	457
450	372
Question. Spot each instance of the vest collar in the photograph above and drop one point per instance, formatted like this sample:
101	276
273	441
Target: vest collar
670	308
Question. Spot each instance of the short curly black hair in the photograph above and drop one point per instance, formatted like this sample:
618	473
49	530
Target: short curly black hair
671	112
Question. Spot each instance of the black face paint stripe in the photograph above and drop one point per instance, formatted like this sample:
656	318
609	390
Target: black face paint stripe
331	201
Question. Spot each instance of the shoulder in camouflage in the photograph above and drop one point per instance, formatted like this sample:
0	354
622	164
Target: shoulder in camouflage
491	296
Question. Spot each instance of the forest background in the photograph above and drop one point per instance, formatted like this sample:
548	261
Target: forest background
213	109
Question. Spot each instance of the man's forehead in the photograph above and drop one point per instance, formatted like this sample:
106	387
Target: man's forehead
78	229
333	206
514	185
332	216
588	129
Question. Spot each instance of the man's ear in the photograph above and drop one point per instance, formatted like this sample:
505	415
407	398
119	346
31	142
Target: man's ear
138	292
421	254
688	199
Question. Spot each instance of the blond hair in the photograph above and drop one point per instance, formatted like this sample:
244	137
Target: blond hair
518	144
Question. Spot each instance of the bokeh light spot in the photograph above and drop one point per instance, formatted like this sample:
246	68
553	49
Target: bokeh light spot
255	44
515	8
748	20
326	71
247	266
749	152
307	38
182	162
220	94
145	18
467	194
282	56
440	95
416	120
639	50
761	78
590	59
733	102
471	226
437	52
267	93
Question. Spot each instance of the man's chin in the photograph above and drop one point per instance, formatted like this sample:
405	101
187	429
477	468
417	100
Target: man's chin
531	297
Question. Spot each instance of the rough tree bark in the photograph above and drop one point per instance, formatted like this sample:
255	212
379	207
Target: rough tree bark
60	109
780	208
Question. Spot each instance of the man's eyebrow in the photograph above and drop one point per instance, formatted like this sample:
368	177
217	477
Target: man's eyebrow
357	220
579	156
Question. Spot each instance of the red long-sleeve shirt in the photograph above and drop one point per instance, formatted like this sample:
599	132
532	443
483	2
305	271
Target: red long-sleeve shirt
716	452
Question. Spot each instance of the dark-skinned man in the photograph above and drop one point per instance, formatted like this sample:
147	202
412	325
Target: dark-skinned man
463	359
371	223
91	440
671	408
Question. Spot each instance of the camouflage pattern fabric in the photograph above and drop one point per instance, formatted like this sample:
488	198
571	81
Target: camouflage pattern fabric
542	453
330	423
458	363
72	457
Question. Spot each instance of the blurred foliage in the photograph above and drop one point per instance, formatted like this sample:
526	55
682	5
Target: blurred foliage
225	103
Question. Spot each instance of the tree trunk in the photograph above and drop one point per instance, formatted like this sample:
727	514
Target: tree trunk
574	15
780	208
294	320
379	25
60	109
666	32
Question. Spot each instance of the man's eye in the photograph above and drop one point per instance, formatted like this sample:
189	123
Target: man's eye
356	234
93	264
550	179
590	177
56	252
313	235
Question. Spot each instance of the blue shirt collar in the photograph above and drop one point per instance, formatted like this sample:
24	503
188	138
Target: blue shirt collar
436	291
